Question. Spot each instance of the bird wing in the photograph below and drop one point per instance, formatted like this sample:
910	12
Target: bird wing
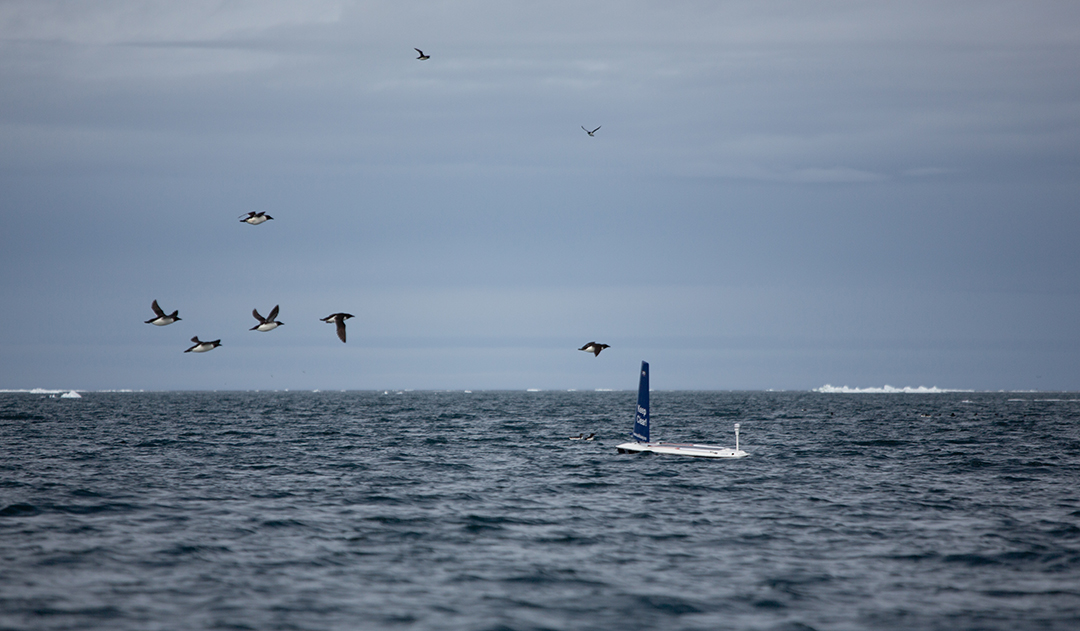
273	313
157	309
595	130
196	340
255	312
340	328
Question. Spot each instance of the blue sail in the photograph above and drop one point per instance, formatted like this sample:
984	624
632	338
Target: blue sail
641	418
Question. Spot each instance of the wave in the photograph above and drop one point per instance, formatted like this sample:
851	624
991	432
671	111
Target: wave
887	389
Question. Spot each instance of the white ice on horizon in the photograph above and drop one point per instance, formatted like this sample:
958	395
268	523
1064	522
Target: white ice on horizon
51	391
887	389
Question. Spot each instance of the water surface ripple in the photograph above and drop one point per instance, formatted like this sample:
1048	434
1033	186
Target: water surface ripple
436	510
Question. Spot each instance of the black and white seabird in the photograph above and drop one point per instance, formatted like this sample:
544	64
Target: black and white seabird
593	131
422	56
255	218
269	323
202	347
338	319
162	319
594	348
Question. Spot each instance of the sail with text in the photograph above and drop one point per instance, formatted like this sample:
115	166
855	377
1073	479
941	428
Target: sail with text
641	417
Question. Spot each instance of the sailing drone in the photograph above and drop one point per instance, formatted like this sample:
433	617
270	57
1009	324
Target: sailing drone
641	432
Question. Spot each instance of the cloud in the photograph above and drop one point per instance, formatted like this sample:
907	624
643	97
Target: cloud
927	171
109	22
834	175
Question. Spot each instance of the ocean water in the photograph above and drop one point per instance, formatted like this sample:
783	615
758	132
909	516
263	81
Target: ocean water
437	510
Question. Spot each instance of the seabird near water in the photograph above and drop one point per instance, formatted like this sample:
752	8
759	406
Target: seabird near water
593	131
338	319
594	348
269	323
202	347
162	319
422	56
255	218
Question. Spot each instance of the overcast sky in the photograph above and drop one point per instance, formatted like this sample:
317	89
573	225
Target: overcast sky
781	195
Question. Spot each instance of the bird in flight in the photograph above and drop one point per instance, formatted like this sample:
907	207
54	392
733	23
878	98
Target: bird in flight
255	218
161	319
593	131
594	348
422	56
269	323
338	319
202	347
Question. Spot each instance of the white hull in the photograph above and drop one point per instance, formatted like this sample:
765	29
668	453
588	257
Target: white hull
682	449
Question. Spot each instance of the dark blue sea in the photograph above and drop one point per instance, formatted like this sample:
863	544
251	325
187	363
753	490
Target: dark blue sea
443	510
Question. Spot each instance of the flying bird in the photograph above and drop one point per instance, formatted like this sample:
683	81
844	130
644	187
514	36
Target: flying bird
422	56
593	131
162	319
338	319
202	347
269	323
255	218
594	348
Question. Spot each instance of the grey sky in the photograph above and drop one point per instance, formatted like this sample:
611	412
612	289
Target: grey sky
782	194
